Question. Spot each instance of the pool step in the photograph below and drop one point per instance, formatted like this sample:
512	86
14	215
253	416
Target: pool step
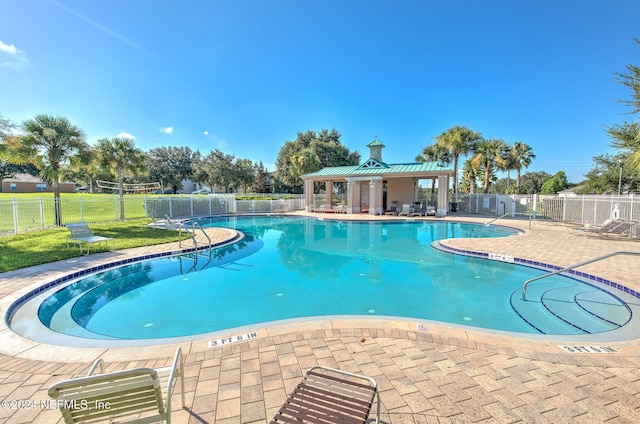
592	310
537	316
569	309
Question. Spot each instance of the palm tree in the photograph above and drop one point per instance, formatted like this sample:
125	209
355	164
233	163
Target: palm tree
522	155
434	153
489	155
469	173
53	142
459	140
121	155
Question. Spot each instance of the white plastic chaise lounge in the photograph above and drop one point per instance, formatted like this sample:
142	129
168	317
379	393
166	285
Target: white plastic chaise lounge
81	233
393	210
406	209
608	226
330	396
430	211
623	227
141	395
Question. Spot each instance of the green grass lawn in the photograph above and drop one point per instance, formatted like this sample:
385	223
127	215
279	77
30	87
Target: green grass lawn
46	246
35	210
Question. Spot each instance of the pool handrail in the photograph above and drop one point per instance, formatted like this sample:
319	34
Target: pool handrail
570	267
194	225
530	215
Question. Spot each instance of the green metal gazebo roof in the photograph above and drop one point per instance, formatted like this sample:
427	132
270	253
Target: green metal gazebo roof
375	142
397	169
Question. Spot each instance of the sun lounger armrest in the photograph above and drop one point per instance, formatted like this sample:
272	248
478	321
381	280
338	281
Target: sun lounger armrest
98	363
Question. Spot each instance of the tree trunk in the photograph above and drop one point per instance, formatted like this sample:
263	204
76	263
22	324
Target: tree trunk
57	204
121	192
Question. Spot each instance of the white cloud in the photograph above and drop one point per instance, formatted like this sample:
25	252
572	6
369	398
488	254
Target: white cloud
206	133
8	48
10	55
167	130
124	134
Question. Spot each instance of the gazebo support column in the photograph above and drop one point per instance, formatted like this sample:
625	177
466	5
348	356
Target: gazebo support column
443	196
353	196
328	188
309	197
375	196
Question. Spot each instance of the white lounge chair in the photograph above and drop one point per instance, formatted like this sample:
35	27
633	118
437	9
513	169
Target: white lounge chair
328	395
431	210
406	209
141	395
81	233
393	209
607	226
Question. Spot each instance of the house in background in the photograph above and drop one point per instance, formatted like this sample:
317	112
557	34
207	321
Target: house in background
25	183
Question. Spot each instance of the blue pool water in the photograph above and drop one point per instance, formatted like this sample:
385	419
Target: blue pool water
288	267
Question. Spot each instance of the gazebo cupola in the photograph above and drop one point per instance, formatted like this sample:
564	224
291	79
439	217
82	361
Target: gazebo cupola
375	156
375	149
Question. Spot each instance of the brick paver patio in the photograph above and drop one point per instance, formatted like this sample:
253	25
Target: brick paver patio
438	374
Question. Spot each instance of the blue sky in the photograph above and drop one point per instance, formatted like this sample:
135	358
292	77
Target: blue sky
246	76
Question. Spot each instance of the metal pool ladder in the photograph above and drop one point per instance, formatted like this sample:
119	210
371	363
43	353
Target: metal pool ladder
599	258
194	226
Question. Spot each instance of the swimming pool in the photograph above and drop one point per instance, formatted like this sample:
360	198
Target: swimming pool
288	268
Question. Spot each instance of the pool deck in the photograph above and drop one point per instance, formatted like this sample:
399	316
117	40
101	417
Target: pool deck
435	373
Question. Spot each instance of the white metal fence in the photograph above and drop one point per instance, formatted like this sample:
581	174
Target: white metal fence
216	204
19	215
579	209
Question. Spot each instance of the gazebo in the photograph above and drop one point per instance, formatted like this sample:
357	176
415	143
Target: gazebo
374	183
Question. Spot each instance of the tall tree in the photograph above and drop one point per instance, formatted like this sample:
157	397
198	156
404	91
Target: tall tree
87	173
9	143
489	155
532	182
626	136
121	155
244	173
54	141
260	180
521	157
14	157
304	162
459	140
631	79
172	165
604	175
434	153
216	169
310	152
555	184
470	173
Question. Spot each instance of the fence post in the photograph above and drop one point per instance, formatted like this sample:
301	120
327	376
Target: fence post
14	203
191	204
41	213
170	207
535	205
81	212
